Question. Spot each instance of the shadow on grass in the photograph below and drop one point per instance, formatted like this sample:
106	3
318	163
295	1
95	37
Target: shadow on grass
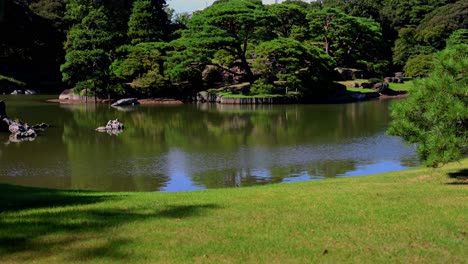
461	177
37	222
17	198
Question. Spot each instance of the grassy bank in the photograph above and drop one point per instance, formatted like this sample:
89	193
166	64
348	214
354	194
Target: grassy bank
406	86
412	216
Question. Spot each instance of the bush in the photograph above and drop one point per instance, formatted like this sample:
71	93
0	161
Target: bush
261	86
419	66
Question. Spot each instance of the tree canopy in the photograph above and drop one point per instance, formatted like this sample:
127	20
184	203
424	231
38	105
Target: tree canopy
135	46
227	26
435	116
351	41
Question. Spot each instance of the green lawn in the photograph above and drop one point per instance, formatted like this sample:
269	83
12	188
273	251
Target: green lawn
406	86
231	95
415	216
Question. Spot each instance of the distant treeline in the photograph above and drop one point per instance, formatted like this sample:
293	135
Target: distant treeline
143	48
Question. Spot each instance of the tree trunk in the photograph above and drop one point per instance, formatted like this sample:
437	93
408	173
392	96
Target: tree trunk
246	66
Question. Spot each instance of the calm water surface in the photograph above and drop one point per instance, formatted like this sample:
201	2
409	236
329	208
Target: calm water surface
191	147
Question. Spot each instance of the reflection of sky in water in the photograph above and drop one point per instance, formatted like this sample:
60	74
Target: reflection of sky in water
86	160
176	170
373	155
296	163
379	167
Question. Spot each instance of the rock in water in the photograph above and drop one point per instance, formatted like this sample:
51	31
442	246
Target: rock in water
66	94
126	101
21	130
18	129
30	92
112	127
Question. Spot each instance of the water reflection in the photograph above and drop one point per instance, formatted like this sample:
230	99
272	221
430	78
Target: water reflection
189	147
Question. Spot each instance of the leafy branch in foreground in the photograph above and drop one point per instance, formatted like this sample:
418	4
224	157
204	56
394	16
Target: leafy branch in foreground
435	116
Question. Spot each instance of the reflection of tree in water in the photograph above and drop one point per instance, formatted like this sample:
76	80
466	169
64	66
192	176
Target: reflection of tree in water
276	174
104	162
232	178
226	127
152	131
331	168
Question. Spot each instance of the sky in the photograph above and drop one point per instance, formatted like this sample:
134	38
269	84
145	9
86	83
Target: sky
181	6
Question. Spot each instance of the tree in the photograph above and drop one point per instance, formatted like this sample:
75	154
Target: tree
300	67
142	66
227	26
148	21
88	48
419	66
430	34
435	116
404	13
351	41
458	37
407	46
291	19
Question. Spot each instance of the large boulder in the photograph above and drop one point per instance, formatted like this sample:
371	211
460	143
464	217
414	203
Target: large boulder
126	101
381	87
66	94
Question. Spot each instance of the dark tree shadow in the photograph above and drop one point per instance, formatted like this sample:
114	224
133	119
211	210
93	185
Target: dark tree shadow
461	177
17	198
183	211
28	214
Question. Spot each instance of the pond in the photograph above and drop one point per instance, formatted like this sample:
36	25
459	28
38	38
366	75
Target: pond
198	146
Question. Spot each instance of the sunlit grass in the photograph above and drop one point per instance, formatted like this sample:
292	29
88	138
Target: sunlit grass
411	216
406	86
231	95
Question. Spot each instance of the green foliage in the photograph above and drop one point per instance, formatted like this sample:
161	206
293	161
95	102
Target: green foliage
304	68
228	26
290	19
349	40
148	21
261	86
431	32
407	46
403	13
435	114
50	9
419	66
142	66
88	48
458	37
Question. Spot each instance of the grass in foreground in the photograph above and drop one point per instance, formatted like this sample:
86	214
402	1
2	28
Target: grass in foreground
412	216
